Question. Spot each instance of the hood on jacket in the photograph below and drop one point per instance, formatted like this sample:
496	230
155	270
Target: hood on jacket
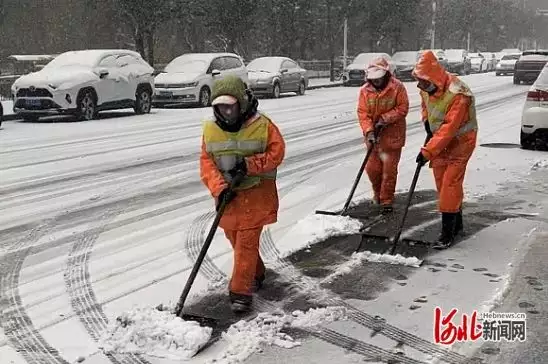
428	68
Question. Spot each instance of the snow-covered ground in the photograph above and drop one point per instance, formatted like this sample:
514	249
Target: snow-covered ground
107	206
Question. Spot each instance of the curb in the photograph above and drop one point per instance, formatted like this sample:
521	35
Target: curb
329	85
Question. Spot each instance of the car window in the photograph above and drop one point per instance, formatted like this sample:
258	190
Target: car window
232	62
108	61
289	65
217	64
124	60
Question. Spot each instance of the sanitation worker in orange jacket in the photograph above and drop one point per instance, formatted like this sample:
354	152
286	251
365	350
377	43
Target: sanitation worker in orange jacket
382	108
240	140
449	116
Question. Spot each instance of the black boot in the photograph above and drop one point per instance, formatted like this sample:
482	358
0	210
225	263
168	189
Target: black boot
258	283
240	303
459	228
447	236
387	209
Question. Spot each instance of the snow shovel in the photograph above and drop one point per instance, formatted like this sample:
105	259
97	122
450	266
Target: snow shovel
343	212
202	320
396	239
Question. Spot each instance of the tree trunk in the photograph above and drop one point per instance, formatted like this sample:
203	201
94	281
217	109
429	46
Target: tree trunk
139	42
150	46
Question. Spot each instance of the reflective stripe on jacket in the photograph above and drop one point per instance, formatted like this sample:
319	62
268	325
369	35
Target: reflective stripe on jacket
228	148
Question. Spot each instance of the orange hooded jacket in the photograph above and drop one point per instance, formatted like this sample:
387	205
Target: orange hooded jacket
256	206
445	146
392	105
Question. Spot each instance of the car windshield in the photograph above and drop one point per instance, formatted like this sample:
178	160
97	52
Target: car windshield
365	58
187	63
454	54
72	59
509	57
267	64
410	57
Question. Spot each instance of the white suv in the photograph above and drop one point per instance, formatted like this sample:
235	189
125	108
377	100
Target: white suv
534	120
82	83
188	79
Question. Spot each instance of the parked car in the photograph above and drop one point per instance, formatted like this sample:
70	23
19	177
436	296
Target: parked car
274	75
506	65
529	66
354	74
188	79
534	120
510	51
82	83
404	62
458	61
440	55
479	63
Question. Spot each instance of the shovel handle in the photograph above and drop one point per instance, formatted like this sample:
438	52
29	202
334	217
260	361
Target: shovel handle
207	243
409	199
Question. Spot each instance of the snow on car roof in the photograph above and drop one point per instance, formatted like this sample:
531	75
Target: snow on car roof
207	56
89	57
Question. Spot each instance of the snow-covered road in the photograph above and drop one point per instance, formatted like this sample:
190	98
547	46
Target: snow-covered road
95	215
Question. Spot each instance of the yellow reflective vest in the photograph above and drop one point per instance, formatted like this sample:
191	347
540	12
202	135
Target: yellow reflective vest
437	109
227	148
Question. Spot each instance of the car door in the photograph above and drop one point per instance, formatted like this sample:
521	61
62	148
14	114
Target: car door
217	64
129	77
287	82
107	87
295	74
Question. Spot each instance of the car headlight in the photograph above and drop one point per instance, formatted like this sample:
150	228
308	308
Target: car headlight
180	85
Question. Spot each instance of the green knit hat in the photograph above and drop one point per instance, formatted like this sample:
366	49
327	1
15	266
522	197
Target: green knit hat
233	86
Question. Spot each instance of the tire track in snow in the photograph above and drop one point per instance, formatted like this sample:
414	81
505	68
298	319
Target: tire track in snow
364	319
212	272
82	296
17	325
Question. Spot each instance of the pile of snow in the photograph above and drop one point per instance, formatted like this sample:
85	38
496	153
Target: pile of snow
247	337
540	164
317	228
358	259
156	333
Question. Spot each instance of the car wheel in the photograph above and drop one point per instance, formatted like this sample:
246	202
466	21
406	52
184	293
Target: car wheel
526	141
143	100
302	88
498	74
87	105
205	97
276	90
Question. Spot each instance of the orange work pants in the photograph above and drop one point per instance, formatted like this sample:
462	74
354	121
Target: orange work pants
248	264
382	169
449	183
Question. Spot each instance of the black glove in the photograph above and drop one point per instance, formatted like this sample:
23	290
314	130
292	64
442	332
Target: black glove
427	128
240	169
227	194
421	159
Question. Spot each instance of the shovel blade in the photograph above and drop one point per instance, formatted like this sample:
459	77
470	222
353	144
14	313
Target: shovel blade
407	248
330	213
202	320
